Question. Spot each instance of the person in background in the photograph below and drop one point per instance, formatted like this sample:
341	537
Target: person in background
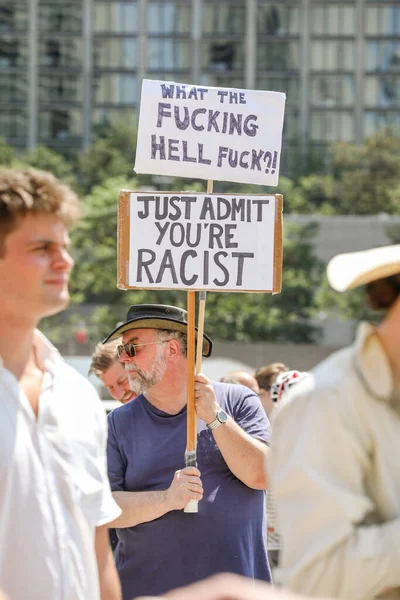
107	367
265	377
160	547
334	459
55	498
242	378
279	391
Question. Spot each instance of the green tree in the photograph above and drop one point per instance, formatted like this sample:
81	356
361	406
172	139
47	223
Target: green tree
365	180
45	159
7	153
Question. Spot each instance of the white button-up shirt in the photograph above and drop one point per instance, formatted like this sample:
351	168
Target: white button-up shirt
54	489
335	472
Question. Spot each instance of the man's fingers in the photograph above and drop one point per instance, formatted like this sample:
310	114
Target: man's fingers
190	471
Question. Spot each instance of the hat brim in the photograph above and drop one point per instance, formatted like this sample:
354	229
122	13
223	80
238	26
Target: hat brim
350	270
158	323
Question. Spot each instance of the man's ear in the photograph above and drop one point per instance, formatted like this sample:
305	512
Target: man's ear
174	349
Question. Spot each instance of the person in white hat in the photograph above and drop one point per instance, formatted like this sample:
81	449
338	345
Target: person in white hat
334	461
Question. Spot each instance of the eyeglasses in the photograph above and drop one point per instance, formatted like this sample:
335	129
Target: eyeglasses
130	348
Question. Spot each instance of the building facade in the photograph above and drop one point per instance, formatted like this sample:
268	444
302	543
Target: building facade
67	65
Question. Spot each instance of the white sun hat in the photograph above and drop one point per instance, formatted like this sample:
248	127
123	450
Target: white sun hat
352	269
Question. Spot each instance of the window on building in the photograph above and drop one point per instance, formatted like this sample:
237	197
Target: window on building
375	120
173	18
282	55
332	125
332	90
115	17
275	19
333	19
13	123
382	20
382	91
12	53
13	87
13	16
60	124
383	56
115	53
60	88
60	52
168	54
115	89
55	17
224	18
332	55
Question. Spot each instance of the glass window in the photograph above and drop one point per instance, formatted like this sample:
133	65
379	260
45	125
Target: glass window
383	56
276	19
382	91
60	124
60	52
115	53
332	90
223	56
14	87
332	126
374	120
169	54
333	19
57	17
116	17
13	123
60	88
13	52
169	17
332	55
13	17
224	18
278	56
115	89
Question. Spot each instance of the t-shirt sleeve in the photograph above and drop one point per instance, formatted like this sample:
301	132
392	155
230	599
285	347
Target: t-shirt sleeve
250	415
116	463
109	509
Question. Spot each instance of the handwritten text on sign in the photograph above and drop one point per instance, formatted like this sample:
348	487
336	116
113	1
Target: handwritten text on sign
225	134
202	242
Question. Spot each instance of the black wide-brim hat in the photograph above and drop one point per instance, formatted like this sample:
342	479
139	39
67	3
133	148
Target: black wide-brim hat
157	316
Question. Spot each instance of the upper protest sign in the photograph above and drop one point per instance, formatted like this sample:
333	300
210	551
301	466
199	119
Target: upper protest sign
188	241
223	134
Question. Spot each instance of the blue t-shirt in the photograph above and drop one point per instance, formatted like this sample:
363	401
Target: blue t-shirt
145	448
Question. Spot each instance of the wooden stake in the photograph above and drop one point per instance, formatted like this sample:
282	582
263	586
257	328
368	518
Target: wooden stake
191	443
191	440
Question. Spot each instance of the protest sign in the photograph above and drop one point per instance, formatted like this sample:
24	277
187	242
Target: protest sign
223	134
190	241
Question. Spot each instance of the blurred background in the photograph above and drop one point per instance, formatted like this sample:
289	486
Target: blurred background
70	79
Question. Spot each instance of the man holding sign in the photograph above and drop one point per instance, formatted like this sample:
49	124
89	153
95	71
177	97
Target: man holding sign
160	546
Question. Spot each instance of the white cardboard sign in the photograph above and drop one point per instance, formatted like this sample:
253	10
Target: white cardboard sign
172	240
223	134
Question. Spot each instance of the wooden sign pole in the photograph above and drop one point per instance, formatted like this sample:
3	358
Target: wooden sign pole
191	442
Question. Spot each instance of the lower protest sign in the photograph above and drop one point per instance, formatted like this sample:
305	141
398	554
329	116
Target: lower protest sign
199	241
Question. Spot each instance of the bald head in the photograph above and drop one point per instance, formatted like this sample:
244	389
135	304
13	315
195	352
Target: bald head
241	378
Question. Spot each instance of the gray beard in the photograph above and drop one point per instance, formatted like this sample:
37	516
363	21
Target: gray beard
144	381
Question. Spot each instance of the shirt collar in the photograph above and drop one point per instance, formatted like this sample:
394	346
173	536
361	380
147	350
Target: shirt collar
372	365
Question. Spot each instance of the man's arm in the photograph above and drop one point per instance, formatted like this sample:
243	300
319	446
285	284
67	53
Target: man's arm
141	507
319	460
110	588
245	456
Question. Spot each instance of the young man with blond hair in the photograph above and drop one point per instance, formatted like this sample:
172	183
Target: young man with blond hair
55	500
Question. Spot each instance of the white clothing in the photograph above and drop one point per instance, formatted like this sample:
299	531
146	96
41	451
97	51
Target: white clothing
335	473
54	489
